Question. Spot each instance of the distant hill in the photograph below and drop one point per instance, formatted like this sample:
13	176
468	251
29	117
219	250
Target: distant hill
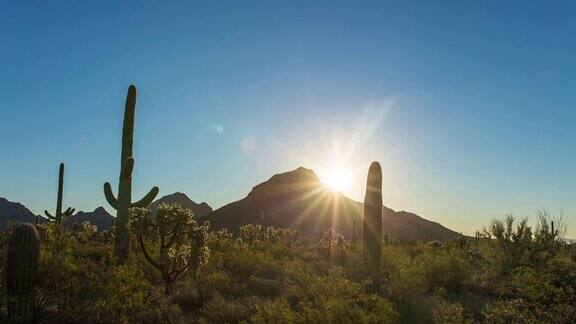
182	200
99	217
16	212
297	199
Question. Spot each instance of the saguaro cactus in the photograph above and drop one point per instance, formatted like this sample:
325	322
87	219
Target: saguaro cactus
21	273
59	215
123	203
372	225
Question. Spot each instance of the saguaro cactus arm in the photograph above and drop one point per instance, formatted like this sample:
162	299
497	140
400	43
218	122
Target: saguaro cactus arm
68	212
148	199
144	202
110	195
50	217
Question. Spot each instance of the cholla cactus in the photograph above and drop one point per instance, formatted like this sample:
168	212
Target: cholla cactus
288	236
343	246
329	243
60	216
372	227
250	233
84	232
258	233
181	243
21	273
219	239
123	202
106	236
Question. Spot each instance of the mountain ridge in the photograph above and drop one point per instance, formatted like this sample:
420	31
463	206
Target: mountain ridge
293	199
181	199
99	217
14	211
298	199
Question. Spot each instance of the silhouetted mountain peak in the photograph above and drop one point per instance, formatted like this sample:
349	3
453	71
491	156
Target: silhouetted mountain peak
178	195
14	211
287	183
182	200
297	199
100	210
12	204
99	217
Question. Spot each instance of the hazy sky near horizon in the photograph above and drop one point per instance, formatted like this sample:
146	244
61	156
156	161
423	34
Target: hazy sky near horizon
469	106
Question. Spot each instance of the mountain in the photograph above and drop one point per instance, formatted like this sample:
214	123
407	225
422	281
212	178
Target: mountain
182	200
16	212
99	217
297	199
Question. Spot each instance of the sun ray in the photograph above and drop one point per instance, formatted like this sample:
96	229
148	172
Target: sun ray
310	207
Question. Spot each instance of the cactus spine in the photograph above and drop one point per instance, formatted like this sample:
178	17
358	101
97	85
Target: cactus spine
123	203
21	273
372	225
59	216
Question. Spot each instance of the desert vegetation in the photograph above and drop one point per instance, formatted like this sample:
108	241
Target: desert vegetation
511	273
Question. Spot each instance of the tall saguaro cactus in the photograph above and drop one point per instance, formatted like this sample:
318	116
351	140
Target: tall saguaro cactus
123	203
21	273
372	225
59	216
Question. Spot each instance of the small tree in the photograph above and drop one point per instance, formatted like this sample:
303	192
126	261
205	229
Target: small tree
179	241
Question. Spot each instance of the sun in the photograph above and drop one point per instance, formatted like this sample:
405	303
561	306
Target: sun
336	177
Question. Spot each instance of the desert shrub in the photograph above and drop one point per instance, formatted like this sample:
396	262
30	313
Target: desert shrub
258	286
273	311
248	309
442	311
245	262
414	276
508	247
447	268
513	244
367	309
216	282
508	311
540	294
220	310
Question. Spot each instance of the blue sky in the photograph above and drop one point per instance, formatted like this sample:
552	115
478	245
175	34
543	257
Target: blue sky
470	107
